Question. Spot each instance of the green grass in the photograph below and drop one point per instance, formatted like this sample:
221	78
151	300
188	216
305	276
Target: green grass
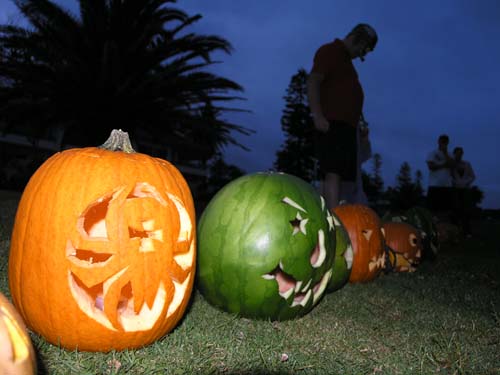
443	319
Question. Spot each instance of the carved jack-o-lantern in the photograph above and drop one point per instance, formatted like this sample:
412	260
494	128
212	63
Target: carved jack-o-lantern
103	248
17	356
405	246
266	247
365	231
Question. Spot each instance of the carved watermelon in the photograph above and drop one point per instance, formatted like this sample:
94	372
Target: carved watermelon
266	247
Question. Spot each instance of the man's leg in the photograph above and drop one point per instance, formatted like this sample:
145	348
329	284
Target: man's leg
331	189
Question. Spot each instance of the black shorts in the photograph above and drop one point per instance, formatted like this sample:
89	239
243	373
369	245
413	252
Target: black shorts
336	150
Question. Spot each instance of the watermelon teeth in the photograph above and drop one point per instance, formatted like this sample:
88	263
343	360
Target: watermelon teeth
287	286
320	287
301	298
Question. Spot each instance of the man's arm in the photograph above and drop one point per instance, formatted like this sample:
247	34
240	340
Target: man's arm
313	93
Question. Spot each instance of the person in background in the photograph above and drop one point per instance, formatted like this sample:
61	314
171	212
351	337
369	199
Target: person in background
336	101
352	191
440	163
462	176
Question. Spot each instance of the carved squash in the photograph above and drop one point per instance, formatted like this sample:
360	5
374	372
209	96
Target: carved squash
103	248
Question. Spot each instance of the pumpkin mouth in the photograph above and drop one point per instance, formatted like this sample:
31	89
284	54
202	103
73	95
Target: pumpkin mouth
298	291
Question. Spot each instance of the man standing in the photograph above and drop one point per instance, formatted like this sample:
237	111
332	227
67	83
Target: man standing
336	102
439	162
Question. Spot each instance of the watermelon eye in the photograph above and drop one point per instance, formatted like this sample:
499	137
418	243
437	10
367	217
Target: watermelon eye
299	224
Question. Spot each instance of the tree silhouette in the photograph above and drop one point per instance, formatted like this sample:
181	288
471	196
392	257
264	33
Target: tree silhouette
296	155
407	193
127	64
373	184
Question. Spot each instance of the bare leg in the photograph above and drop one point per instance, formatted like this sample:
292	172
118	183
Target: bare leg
330	189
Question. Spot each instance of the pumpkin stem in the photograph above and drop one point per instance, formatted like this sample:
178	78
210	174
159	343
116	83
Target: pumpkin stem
118	141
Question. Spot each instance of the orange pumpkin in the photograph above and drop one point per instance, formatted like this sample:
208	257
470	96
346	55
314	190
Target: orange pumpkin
103	248
405	246
17	356
364	228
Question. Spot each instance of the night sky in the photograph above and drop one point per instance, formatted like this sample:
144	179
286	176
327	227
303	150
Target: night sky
436	69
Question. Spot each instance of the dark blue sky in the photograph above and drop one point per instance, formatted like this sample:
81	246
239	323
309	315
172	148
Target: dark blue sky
436	70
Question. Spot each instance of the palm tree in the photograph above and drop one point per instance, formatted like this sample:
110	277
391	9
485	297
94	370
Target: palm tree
126	64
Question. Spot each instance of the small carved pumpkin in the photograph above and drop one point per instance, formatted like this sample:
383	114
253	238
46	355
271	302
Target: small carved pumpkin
103	248
422	219
364	228
17	356
404	244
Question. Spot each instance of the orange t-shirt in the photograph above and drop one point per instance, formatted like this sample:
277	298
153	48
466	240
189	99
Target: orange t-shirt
341	94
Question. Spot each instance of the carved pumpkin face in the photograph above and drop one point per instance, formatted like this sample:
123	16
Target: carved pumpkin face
405	246
107	262
266	247
17	356
364	228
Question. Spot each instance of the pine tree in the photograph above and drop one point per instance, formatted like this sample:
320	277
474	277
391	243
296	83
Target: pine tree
404	176
296	155
373	184
408	193
418	183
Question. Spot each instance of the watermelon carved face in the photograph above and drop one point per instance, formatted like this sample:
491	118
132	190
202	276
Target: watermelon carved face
267	247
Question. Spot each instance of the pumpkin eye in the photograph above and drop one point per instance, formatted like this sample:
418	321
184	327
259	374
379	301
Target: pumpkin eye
413	240
92	223
367	233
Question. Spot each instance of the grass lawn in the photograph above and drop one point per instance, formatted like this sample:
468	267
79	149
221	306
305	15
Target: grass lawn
442	319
